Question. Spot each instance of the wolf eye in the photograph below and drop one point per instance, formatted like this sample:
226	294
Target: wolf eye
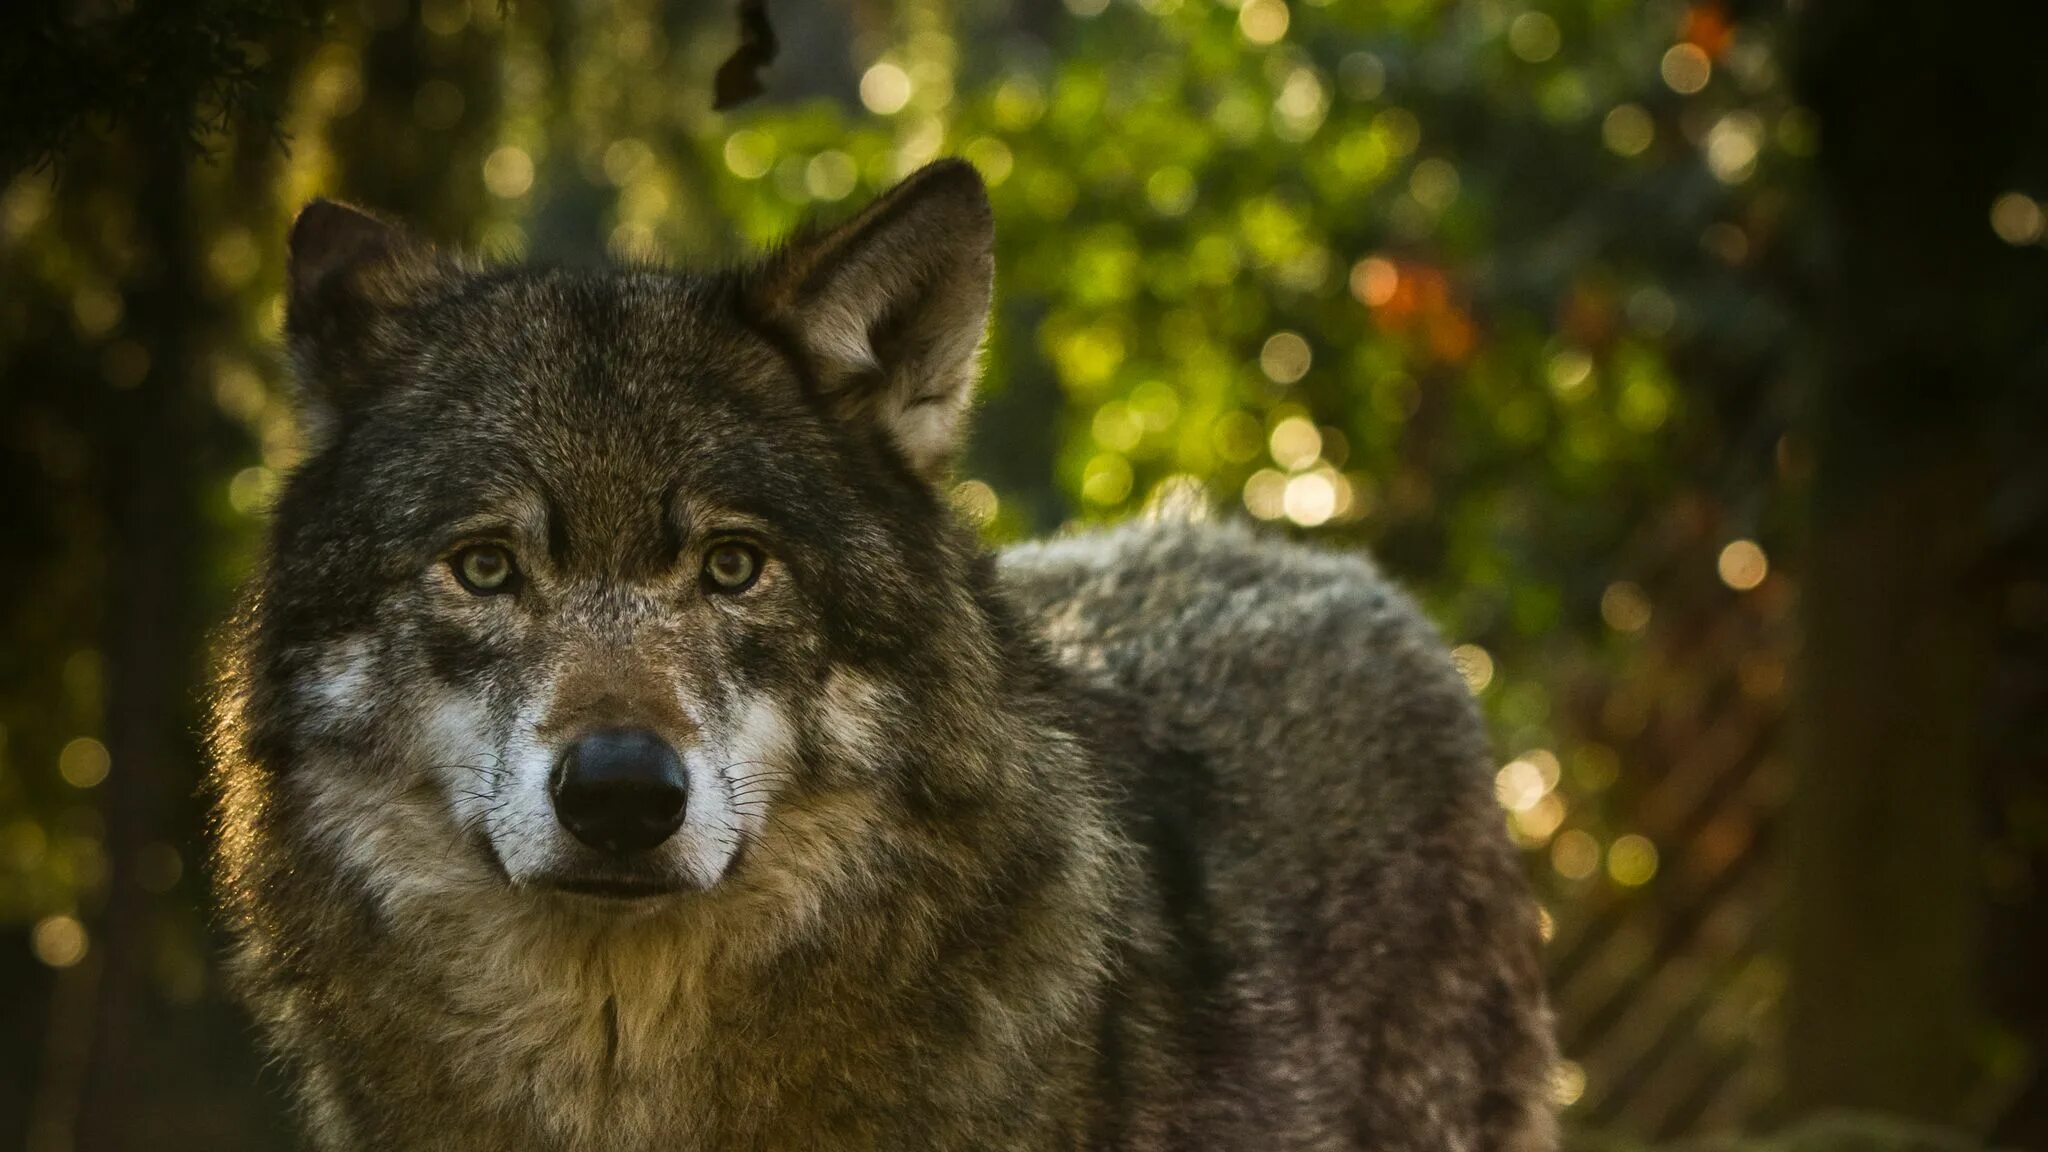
731	567
485	569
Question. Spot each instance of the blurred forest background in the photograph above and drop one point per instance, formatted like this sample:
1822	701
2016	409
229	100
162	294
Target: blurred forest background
1690	360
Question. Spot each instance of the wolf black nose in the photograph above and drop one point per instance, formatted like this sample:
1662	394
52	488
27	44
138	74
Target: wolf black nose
621	790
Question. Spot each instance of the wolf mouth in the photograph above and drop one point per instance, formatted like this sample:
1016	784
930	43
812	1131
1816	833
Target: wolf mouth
614	887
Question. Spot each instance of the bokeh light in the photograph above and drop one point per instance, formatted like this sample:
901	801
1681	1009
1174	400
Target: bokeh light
2017	218
508	172
1534	37
1310	498
1520	785
1374	281
1475	665
1625	607
977	501
1631	860
59	941
1733	145
1627	130
1742	565
1295	443
830	175
1575	854
1686	69
1265	493
84	762
1567	1083
748	154
1285	357
1263	21
885	89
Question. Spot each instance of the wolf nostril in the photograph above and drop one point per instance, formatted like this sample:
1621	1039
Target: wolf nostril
620	790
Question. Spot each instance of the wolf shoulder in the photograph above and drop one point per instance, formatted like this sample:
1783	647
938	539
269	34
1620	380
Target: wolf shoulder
1323	806
1304	661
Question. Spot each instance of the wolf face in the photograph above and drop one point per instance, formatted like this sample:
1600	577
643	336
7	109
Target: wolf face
587	574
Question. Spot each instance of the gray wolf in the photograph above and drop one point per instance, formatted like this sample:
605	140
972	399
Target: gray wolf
624	747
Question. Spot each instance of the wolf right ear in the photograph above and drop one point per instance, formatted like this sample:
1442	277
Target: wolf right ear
344	267
890	308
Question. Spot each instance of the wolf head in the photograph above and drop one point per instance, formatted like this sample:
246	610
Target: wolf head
593	581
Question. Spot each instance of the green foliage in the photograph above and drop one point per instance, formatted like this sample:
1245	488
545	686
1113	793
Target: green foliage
175	72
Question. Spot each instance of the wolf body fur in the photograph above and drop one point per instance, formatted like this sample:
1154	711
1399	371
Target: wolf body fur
1169	837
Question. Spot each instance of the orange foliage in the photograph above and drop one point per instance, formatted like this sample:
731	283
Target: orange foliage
1421	306
1708	28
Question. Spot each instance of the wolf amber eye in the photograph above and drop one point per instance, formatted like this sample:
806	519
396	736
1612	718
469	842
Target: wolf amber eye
485	569
731	567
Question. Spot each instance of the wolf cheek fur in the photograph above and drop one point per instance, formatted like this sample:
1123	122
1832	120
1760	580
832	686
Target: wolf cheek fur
1170	837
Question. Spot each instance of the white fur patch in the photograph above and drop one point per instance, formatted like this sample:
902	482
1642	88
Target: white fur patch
851	717
733	778
521	823
839	334
929	430
338	685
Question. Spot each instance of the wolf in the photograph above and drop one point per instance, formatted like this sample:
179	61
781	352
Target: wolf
623	745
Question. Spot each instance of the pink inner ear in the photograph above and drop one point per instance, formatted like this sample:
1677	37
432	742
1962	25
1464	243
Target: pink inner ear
328	239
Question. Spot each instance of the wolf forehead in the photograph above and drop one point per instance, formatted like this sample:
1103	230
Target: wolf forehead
584	377
601	404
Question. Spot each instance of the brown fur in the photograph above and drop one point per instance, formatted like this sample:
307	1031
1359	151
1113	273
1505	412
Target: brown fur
1171	838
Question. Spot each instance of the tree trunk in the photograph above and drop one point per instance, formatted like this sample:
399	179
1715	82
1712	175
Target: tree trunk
1926	110
149	449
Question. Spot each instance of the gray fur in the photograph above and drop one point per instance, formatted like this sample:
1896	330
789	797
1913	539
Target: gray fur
1170	837
1383	975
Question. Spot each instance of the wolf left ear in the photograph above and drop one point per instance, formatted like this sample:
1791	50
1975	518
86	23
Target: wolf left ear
890	308
343	268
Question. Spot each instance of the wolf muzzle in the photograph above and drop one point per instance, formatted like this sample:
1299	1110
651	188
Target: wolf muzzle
621	791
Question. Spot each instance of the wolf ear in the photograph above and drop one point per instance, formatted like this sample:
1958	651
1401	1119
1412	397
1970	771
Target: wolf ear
343	267
891	306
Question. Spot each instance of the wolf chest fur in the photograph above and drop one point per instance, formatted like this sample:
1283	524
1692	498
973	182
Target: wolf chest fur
623	747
